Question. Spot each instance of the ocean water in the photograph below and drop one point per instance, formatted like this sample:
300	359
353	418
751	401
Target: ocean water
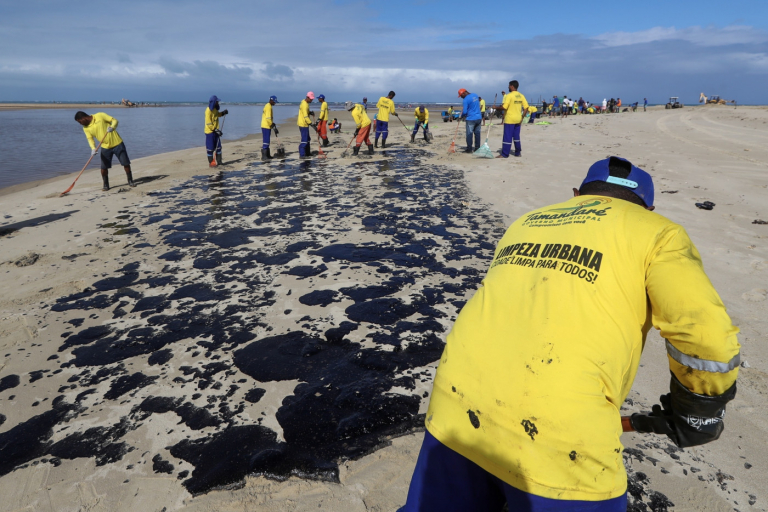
40	144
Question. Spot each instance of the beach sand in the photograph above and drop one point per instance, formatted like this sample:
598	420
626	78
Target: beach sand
151	336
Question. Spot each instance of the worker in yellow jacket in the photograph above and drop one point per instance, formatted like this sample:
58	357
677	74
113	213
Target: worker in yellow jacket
482	109
322	120
386	107
421	119
304	122
362	126
267	125
515	107
103	128
525	407
212	131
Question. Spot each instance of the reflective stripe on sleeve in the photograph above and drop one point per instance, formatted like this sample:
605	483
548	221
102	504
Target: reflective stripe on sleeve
703	364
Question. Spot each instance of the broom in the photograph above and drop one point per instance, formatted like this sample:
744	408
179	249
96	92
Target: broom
346	151
86	165
484	151
320	153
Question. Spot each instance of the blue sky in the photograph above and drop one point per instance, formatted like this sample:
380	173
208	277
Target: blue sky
423	49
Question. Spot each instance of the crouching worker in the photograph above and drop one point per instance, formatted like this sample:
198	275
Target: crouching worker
102	127
212	131
525	407
363	124
422	119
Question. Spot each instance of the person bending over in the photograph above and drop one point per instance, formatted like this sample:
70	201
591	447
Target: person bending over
103	127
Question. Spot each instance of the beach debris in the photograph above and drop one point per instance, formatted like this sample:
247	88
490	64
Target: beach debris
759	221
706	205
755	295
25	261
669	191
745	364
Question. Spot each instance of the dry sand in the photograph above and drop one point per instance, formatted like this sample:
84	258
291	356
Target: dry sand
137	308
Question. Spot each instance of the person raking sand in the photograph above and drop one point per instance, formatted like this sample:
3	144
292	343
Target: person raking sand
102	126
526	398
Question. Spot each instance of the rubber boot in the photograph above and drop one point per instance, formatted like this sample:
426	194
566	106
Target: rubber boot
218	159
211	162
355	150
413	137
326	143
129	175
383	143
264	156
376	143
105	181
370	149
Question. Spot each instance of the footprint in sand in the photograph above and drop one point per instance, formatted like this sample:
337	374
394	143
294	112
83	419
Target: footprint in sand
759	265
755	295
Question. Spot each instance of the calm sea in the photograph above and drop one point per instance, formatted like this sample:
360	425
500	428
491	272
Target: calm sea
40	144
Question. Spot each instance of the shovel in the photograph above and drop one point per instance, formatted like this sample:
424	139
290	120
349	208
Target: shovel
280	153
346	151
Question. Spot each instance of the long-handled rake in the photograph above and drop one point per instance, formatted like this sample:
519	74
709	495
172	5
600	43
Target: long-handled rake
484	151
452	149
86	165
320	153
346	151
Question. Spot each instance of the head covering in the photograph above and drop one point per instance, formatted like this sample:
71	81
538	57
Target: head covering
213	102
462	91
421	108
638	181
273	98
322	97
365	99
349	105
311	95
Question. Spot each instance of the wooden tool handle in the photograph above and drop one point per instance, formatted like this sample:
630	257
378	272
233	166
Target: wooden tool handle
626	424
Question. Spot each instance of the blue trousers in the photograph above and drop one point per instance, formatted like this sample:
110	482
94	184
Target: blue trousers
382	128
511	134
212	143
265	133
445	481
304	145
417	124
473	127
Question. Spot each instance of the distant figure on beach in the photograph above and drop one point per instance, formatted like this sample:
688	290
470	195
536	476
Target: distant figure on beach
334	126
526	401
212	132
482	109
363	126
386	106
645	104
555	106
322	120
470	112
365	104
605	105
450	114
267	125
421	118
515	108
103	127
305	121
618	104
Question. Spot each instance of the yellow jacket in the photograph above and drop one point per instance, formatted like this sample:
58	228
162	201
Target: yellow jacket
266	116
360	116
514	104
541	358
211	119
482	105
386	106
304	119
422	118
98	128
323	111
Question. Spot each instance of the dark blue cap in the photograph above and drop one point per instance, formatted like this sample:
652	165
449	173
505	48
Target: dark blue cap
322	96
638	181
273	98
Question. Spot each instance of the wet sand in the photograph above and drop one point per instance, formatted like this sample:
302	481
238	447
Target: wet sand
164	346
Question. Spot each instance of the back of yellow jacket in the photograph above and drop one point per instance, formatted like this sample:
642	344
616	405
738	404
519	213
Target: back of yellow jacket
266	116
304	120
98	128
542	357
360	116
211	120
386	106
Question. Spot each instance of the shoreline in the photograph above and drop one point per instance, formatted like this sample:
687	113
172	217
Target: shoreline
245	254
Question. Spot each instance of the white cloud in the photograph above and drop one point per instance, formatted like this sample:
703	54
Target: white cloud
703	36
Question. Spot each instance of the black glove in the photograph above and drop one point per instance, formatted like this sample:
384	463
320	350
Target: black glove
395	114
274	127
224	112
357	131
689	419
218	132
